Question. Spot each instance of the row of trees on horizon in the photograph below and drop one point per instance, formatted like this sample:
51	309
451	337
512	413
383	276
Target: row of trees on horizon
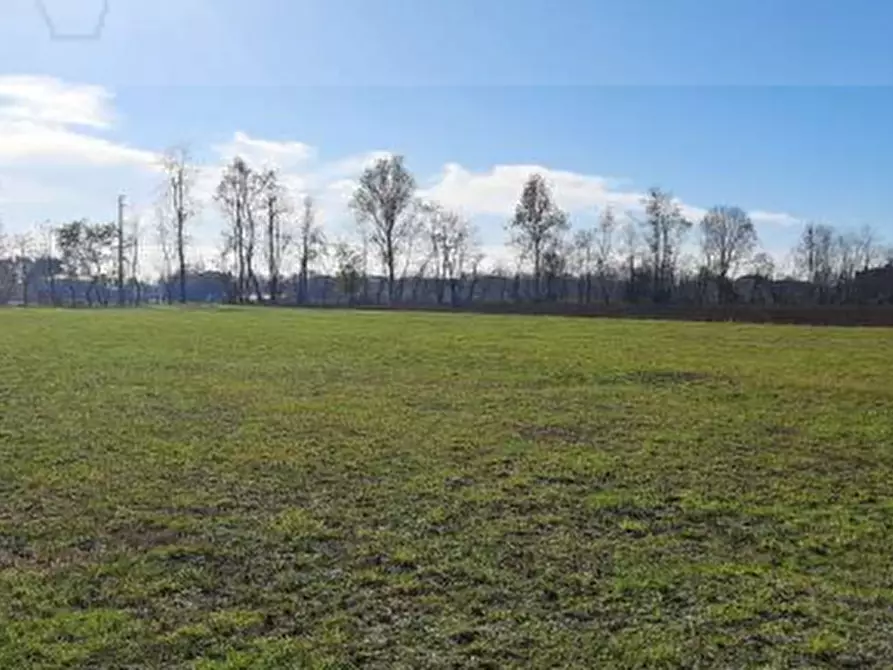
408	249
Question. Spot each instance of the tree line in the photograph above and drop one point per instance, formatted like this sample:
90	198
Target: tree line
412	250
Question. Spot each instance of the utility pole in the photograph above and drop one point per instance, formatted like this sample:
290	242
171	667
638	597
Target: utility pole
120	251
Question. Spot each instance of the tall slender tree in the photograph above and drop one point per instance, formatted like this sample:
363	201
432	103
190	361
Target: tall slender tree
275	209
728	239
604	249
868	250
537	225
311	242
348	269
630	248
582	265
383	204
23	246
665	228
237	195
813	257
50	264
135	249
7	269
451	249
178	203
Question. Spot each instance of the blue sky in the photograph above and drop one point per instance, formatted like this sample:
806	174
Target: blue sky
783	107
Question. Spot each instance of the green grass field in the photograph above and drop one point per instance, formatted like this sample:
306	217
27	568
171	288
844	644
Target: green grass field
275	489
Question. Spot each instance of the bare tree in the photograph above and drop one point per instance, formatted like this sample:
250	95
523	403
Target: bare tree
121	249
845	257
452	248
348	264
134	249
365	252
665	228
630	248
538	224
276	207
231	196
50	267
762	265
728	238
255	213
582	263
868	249
813	257
604	248
179	204
239	195
226	264
383	203
555	267
7	269
164	238
23	249
472	277
413	235
311	242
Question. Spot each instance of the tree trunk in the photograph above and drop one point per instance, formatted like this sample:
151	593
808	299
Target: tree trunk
305	272
536	270
181	256
391	280
240	255
256	284
271	252
89	294
441	290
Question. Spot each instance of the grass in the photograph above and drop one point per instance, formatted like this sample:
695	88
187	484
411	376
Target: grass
282	489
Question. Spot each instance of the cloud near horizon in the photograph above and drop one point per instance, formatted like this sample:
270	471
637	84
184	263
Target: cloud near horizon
56	164
45	120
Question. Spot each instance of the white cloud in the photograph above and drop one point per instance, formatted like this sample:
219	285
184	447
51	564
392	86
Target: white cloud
352	166
51	101
782	219
266	153
496	191
26	141
41	120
